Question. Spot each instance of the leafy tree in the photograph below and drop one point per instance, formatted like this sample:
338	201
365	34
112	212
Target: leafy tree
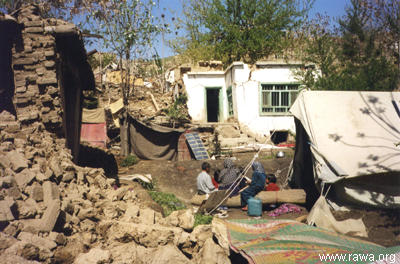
387	15
127	28
245	30
317	45
354	58
365	65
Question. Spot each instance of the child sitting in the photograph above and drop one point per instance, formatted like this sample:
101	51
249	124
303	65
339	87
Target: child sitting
271	183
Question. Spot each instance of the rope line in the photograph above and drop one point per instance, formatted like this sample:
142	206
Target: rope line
242	174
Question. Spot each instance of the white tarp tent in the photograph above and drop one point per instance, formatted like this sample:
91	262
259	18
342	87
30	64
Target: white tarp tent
349	139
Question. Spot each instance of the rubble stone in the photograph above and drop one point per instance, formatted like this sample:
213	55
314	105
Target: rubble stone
181	218
94	256
6	241
146	235
27	209
17	160
131	213
59	238
212	253
170	253
24	178
55	167
50	192
50	216
6	208
36	240
37	191
147	216
4	161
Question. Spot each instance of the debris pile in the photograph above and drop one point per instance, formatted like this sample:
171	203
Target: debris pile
53	210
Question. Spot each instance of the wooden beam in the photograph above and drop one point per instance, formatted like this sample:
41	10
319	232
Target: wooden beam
297	196
154	101
62	29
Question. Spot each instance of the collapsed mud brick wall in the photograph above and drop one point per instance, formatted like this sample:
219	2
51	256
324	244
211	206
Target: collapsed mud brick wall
50	72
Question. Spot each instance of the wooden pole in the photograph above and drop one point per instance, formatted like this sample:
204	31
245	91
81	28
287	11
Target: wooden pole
154	101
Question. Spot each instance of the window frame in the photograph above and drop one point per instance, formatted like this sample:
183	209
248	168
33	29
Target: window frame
299	88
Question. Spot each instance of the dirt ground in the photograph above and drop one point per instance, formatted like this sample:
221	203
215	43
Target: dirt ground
179	178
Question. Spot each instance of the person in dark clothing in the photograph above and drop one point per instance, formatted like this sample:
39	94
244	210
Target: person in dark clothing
257	184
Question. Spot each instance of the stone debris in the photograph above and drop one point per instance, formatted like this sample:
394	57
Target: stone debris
54	211
94	256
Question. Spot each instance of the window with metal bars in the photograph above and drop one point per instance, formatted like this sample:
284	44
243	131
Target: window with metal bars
277	98
230	100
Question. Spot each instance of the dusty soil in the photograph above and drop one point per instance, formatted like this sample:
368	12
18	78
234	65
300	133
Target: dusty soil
179	178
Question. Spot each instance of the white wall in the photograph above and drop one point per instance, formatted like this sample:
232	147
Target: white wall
247	100
245	96
196	84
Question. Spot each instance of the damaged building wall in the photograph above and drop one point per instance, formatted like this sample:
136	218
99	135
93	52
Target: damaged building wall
50	73
197	84
245	84
247	98
10	34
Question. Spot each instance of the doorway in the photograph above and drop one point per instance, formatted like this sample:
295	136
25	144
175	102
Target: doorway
212	104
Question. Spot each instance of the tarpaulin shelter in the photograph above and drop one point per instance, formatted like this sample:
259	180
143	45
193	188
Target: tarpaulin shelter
94	128
348	140
153	142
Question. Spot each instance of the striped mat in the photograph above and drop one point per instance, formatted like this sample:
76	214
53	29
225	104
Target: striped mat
288	241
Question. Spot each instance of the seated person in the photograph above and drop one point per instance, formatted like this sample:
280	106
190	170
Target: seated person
271	183
228	177
204	182
257	184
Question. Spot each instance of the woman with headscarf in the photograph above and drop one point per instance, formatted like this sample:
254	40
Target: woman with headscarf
228	177
257	184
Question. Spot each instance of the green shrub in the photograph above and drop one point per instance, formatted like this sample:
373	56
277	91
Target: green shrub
177	110
168	201
129	161
201	219
150	186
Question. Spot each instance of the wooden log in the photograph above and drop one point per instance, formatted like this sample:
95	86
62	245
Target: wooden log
62	29
297	196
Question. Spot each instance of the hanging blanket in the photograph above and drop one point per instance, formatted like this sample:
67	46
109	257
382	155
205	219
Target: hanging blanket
94	134
287	241
153	142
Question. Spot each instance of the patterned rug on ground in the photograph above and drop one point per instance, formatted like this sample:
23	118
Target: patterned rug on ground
288	241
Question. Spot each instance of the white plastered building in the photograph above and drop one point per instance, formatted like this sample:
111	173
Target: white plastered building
258	96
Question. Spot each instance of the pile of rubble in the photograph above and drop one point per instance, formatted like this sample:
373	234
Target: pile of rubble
54	211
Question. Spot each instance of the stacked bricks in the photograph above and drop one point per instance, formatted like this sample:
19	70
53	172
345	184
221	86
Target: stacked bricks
37	96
